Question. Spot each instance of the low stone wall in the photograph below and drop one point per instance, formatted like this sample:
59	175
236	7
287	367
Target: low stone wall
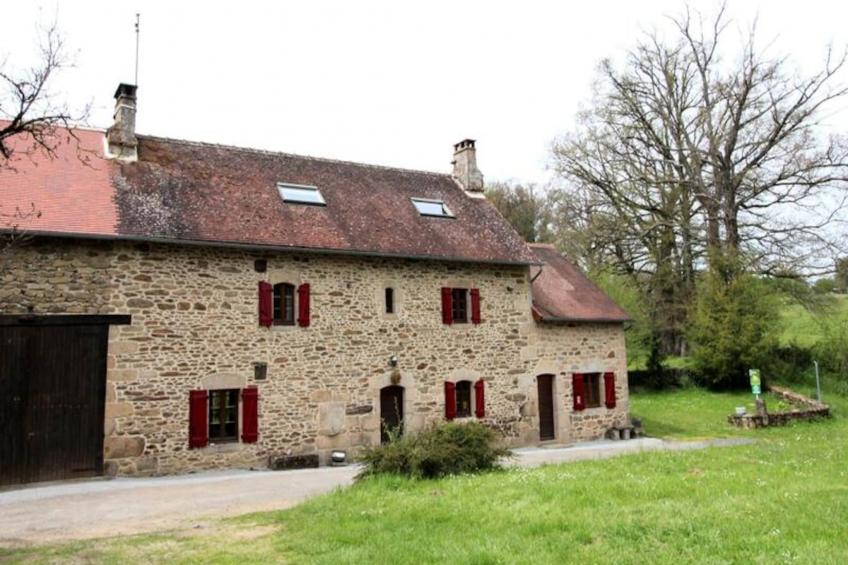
804	409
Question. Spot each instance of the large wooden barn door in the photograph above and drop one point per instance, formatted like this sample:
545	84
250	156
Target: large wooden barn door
545	385
52	398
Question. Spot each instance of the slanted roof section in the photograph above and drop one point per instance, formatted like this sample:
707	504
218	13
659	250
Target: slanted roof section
203	193
70	193
562	293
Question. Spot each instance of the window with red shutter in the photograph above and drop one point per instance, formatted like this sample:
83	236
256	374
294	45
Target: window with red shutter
450	401
198	435
577	391
283	304
592	390
480	398
459	305
609	389
250	414
266	304
303	315
223	415
462	392
447	305
475	306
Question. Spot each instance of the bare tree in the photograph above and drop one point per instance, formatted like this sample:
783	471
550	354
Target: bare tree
30	112
690	157
33	119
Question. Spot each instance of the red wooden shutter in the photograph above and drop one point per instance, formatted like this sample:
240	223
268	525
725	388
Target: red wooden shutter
266	304
480	398
198	434
250	414
450	401
475	306
578	392
609	389
303	305
447	306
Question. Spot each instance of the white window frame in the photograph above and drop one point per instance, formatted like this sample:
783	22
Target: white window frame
281	186
447	211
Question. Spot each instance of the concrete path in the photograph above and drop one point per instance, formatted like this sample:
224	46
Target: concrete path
603	449
101	508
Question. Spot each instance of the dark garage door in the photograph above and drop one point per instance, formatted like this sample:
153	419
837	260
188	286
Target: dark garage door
52	397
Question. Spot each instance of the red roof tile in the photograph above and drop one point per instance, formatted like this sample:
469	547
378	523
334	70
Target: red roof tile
72	192
195	192
562	293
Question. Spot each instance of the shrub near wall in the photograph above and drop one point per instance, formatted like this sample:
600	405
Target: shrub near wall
440	450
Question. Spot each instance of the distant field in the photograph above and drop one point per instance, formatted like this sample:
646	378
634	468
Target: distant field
800	327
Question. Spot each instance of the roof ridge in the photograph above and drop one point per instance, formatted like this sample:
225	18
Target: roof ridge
287	154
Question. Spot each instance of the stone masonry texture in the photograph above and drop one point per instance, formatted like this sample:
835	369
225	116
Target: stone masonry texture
194	326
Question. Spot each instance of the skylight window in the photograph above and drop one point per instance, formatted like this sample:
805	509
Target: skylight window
300	194
435	208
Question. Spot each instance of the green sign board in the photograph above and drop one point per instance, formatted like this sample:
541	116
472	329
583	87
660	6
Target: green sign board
754	375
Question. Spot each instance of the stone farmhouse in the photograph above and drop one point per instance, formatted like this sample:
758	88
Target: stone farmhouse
180	306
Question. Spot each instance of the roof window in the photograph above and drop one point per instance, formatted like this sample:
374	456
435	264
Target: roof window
300	194
435	208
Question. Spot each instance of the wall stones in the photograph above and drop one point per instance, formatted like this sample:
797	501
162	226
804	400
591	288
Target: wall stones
117	447
194	325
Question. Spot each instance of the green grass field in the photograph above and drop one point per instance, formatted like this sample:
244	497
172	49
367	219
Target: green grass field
803	328
782	500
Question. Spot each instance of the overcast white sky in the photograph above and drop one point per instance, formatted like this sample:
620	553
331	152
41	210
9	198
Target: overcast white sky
387	82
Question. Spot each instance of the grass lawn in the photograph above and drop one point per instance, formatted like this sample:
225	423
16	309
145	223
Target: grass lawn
781	500
691	413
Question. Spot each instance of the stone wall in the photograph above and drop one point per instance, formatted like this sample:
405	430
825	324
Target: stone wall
49	277
803	409
563	349
194	325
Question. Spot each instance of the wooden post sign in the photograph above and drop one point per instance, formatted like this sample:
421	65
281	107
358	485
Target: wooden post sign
754	375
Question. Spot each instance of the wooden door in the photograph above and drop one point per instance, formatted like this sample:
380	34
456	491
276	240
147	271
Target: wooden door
545	384
52	398
391	411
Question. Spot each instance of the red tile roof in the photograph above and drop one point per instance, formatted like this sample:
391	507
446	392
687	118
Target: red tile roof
70	193
196	192
562	293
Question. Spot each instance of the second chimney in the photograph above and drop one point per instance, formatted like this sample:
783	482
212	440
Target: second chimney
465	169
123	143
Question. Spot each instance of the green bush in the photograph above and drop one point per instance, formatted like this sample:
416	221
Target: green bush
442	449
831	351
734	326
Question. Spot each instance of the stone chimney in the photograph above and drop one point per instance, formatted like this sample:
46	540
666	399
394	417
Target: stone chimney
121	136
465	169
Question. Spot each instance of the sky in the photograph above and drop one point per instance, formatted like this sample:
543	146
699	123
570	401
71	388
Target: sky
384	82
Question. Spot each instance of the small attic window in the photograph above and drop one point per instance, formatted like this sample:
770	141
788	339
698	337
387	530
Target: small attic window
435	208
300	194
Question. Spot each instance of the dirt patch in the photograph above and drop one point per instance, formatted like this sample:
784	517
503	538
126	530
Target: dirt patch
229	531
